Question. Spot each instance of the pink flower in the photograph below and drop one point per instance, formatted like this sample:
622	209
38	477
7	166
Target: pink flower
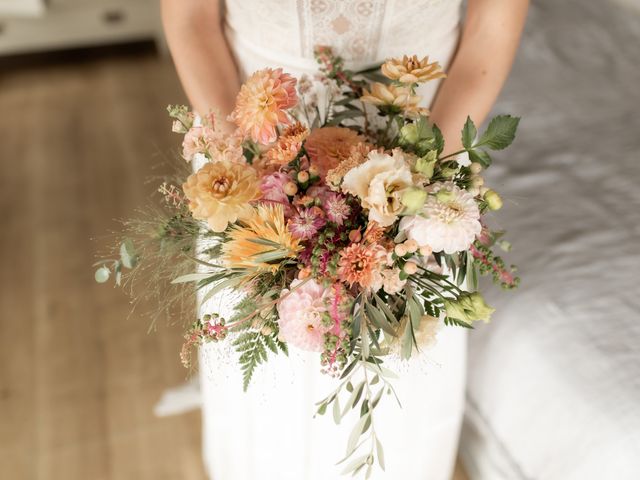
306	223
219	147
196	141
272	187
318	191
336	208
300	310
262	103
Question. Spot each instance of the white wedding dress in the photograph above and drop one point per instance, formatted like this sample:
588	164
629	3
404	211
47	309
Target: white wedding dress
269	433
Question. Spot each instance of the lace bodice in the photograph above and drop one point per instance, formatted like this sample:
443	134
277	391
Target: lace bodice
364	32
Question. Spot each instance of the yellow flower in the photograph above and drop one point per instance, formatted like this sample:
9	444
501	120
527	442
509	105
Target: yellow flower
395	98
260	241
220	192
412	70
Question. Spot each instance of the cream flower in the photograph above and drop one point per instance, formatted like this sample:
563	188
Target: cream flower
220	192
395	98
391	282
379	183
412	70
449	220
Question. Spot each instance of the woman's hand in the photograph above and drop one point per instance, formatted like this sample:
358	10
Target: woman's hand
489	42
200	52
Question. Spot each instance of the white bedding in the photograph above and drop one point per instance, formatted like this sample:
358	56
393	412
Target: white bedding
554	387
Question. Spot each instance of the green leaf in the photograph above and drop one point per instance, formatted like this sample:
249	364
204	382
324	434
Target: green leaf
336	411
102	274
500	132
322	410
480	156
356	463
356	432
379	319
438	139
380	453
128	254
469	133
192	277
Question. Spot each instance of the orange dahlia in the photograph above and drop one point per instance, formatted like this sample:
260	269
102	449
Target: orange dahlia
288	146
262	103
220	192
328	146
362	264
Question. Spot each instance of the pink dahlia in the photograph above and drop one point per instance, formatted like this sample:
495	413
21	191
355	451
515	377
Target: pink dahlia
272	188
336	208
300	310
262	103
306	223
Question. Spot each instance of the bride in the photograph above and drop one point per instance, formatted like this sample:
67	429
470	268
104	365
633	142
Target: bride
269	433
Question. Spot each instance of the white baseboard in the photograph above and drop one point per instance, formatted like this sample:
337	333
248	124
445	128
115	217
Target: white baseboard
21	7
99	23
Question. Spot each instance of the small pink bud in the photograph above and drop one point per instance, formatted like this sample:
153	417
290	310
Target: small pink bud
355	236
426	250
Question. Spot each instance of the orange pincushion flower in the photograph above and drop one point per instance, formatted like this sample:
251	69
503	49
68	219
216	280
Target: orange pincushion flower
288	146
262	103
362	264
373	233
357	156
328	146
220	192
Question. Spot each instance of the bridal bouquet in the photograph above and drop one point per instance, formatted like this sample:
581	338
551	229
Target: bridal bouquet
335	213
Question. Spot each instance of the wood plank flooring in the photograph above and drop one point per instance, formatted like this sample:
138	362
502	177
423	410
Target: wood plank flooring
78	376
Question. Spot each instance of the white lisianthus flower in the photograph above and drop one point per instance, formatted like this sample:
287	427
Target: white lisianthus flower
379	184
448	222
391	282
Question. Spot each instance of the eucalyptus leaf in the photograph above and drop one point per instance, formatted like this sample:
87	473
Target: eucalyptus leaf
128	255
192	277
380	453
354	464
336	411
356	432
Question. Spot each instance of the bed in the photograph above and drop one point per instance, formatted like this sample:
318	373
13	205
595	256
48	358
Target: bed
554	381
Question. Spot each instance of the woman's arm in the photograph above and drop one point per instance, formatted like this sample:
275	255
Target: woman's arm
201	54
489	42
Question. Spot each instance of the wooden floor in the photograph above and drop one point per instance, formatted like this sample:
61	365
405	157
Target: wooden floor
78	377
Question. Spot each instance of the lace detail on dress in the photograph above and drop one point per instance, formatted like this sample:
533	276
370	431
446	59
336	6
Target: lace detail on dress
352	28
